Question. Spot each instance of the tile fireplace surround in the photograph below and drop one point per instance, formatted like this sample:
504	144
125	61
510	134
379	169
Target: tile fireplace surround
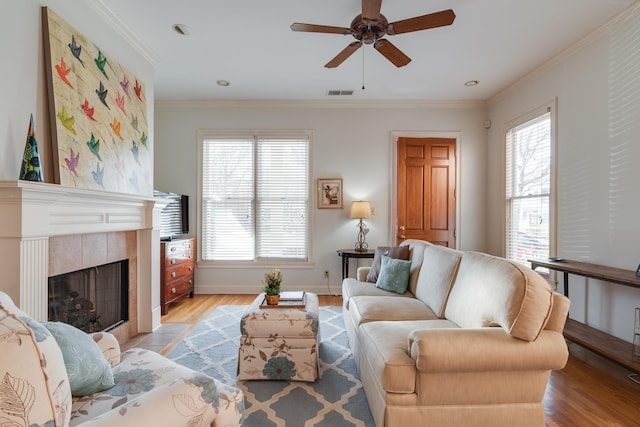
48	228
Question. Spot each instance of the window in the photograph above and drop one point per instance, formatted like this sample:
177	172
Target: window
529	188
255	197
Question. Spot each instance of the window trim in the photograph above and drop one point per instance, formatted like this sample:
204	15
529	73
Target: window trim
552	108
203	134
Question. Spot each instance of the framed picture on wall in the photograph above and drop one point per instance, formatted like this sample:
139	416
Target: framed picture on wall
329	193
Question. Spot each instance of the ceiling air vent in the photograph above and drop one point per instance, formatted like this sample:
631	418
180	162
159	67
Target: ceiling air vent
340	92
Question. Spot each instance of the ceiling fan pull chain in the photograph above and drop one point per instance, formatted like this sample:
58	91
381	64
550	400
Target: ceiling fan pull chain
363	49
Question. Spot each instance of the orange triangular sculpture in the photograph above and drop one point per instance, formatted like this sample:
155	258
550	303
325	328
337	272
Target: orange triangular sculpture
30	170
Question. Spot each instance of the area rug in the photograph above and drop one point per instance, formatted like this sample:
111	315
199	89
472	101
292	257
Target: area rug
336	399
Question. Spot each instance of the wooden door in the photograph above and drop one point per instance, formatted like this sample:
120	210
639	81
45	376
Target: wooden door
426	190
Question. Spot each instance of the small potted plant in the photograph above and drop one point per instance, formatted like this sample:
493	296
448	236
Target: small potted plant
272	281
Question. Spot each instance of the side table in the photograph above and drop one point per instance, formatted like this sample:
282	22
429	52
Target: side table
352	253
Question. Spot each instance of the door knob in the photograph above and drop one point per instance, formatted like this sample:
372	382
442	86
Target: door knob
402	236
402	228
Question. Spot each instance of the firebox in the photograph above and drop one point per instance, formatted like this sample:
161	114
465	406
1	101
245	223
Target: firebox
94	299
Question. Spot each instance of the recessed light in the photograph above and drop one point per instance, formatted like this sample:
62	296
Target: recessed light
471	83
181	29
223	83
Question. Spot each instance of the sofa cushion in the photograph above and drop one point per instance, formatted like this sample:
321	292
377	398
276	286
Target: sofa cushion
437	275
416	254
352	288
491	291
370	309
394	275
398	252
33	380
87	368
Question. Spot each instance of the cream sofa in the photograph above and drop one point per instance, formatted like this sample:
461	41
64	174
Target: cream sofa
138	387
471	343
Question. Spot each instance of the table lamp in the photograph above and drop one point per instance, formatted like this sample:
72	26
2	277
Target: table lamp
361	210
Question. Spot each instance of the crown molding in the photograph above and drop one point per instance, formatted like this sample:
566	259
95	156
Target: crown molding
631	12
121	28
321	103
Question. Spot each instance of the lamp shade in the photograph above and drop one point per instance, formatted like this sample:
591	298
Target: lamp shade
360	209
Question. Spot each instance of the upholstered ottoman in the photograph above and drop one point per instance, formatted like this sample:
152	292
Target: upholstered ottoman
279	343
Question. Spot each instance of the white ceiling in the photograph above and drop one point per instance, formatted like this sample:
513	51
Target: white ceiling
249	43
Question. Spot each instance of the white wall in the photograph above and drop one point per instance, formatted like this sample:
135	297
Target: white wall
23	88
598	92
353	143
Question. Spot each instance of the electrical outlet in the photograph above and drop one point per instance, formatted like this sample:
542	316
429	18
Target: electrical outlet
326	274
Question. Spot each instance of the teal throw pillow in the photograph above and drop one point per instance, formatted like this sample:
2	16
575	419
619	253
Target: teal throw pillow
394	275
88	370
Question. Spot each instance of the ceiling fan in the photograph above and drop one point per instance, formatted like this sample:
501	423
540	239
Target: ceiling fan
370	26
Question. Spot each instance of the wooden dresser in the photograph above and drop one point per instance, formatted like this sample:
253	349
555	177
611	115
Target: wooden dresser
176	271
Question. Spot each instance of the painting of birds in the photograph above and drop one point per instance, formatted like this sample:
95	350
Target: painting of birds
115	127
135	151
67	120
101	61
138	90
87	110
124	84
102	94
134	121
72	162
98	175
63	71
94	146
143	139
76	49
120	102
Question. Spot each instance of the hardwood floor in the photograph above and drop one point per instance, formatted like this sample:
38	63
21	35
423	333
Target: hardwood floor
589	391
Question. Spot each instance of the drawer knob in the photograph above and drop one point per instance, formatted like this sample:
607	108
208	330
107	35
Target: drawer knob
191	268
173	274
173	290
173	249
173	261
190	282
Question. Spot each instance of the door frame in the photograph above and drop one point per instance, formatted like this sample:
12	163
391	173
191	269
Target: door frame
393	217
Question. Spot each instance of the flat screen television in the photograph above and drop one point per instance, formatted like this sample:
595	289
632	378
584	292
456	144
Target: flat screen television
174	218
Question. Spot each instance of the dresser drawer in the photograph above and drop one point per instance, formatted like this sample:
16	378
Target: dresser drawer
184	268
178	288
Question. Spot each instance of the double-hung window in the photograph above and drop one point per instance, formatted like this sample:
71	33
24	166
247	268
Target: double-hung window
254	196
530	187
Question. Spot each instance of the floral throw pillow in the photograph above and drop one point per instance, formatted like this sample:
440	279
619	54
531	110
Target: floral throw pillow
394	275
88	370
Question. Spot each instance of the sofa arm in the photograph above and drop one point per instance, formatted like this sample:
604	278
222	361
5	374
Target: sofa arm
194	401
361	273
485	349
109	345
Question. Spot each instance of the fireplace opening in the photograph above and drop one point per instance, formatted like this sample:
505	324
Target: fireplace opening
94	299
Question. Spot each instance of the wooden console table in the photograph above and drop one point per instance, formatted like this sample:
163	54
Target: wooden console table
613	348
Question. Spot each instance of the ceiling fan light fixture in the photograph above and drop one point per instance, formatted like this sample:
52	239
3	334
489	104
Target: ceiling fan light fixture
181	29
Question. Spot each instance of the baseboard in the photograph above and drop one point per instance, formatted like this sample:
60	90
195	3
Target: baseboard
248	290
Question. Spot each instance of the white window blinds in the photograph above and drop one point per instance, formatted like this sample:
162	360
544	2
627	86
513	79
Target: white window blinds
255	198
528	189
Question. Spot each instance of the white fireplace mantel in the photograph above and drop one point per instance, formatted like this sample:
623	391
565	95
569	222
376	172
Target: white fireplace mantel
31	212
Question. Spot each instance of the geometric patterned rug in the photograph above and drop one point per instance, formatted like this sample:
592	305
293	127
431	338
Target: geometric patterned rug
336	399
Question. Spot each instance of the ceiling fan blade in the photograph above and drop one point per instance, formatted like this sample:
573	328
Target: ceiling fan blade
342	56
312	28
392	53
371	9
424	22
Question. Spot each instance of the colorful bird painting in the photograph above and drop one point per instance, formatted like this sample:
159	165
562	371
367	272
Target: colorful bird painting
143	139
101	61
138	90
98	175
134	121
87	109
120	102
67	120
72	162
76	49
102	94
94	146
124	84
63	72
115	126
135	150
